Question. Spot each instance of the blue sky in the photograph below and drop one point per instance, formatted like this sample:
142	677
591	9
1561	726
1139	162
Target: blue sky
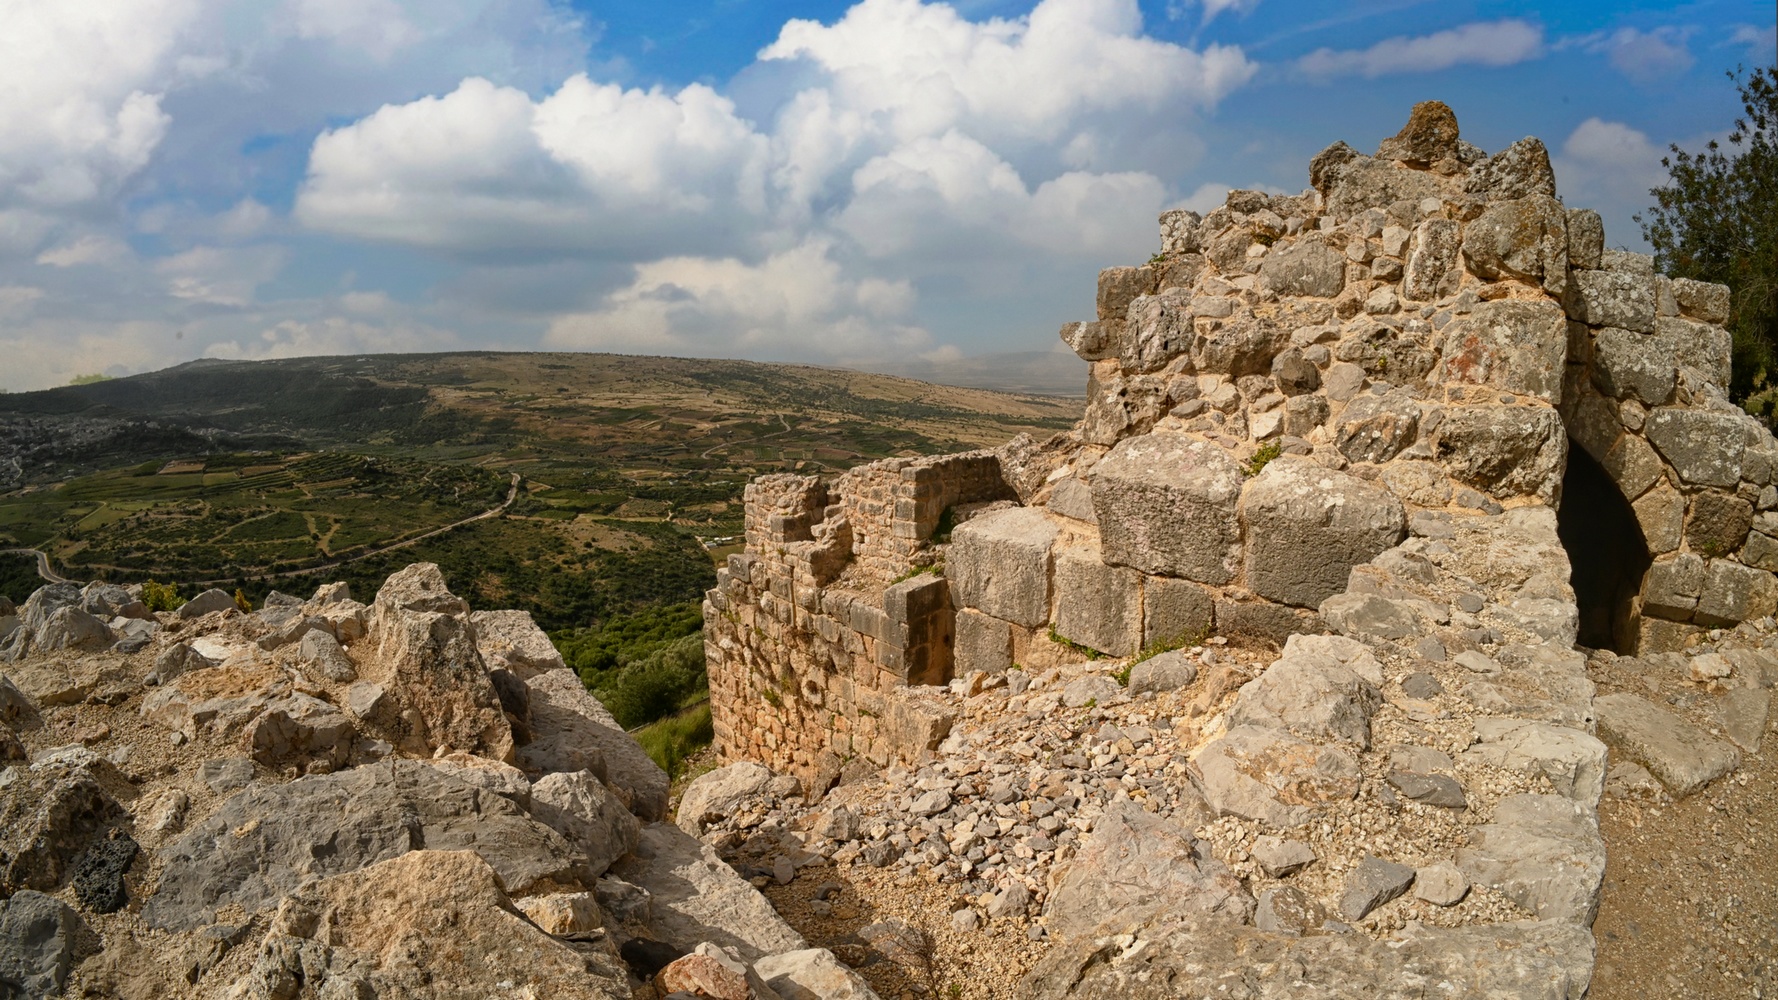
829	182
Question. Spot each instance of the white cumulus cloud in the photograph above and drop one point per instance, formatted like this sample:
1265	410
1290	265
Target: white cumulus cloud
1483	43
1645	57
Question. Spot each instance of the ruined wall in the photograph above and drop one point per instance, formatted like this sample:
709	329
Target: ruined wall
815	634
1271	401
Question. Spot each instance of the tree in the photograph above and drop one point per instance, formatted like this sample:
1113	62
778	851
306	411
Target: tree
1718	221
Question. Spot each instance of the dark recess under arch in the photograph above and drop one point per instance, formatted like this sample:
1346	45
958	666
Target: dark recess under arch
1599	529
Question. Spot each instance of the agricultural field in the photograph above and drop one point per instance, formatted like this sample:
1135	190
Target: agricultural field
614	484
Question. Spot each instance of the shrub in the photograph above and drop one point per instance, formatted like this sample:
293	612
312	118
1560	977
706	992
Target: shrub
161	596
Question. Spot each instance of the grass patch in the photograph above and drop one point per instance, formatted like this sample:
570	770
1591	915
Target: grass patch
670	742
1069	644
1263	456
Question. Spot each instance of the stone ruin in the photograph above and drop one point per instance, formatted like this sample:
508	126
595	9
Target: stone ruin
1342	423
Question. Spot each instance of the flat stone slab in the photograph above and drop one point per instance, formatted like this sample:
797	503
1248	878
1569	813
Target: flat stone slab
1373	883
1684	757
1544	852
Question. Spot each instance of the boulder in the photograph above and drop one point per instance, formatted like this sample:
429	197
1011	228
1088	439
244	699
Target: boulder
1280	858
1166	505
39	944
495	776
694	896
714	973
511	641
261	843
73	629
1518	346
17	710
562	914
1508	451
1307	526
428	664
50	812
1376	428
1429	136
1682	756
99	874
1167	671
220	701
1271	777
999	563
403	928
300	727
1544	852
207	603
1314	696
321	652
725	792
419	587
588	815
812	974
574	732
1133	866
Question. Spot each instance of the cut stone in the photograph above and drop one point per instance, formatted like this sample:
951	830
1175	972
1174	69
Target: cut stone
1308	525
1166	505
1682	756
999	563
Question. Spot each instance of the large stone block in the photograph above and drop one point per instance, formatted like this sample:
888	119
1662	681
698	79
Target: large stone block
1717	523
1432	254
1633	465
1307	267
1697	345
1119	286
1683	756
1098	606
1518	346
1586	238
1362	183
1174	611
1702	300
1166	505
1525	238
1377	428
983	643
1661	513
999	563
1671	588
1633	365
1157	330
1613	298
1733	593
1308	525
1703	447
1520	170
1271	777
1509	451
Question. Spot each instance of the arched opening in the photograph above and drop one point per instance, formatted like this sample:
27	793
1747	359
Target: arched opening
1599	529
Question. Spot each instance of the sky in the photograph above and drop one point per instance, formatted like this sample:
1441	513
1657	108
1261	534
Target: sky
826	182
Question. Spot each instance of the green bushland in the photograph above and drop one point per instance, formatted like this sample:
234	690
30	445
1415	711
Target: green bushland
18	577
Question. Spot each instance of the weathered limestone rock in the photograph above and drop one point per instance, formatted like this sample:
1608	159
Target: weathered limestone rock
1119	286
73	629
1525	238
261	844
587	815
1312	695
1174	611
1702	299
1513	345
1586	238
207	603
379	933
1098	606
1704	448
321	652
511	641
1572	760
1132	866
1633	365
419	587
574	732
1435	245
1166	505
1612	298
1280	858
1000	564
1377	428
1307	526
812	974
1271	777
1701	346
1167	671
39	942
1683	756
1543	851
1362	182
1505	450
1521	170
50	812
427	662
1157	330
562	914
695	897
1370	885
300	727
1307	267
719	794
1734	593
983	643
1717	523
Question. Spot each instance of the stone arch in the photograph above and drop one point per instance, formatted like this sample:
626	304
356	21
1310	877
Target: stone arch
1607	551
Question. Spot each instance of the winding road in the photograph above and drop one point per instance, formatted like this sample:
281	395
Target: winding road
512	496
